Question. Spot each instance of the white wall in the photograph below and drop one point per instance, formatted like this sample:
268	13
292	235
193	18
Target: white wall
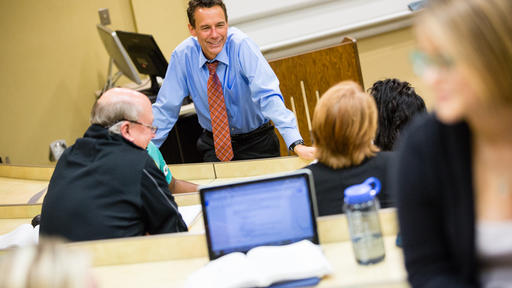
286	27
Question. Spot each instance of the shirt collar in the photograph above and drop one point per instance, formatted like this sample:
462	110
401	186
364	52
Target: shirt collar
221	57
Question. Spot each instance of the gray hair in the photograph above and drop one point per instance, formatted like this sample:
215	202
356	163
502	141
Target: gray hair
110	114
116	128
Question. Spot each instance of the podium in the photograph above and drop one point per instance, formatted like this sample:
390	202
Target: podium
305	77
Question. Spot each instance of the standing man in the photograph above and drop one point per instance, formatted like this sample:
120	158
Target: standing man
106	185
235	92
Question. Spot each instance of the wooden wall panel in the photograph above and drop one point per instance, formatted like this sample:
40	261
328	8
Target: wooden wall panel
317	70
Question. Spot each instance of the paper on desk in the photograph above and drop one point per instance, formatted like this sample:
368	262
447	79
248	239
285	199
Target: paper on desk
190	213
23	235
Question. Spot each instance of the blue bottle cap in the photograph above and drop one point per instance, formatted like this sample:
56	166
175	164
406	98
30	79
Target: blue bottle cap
364	192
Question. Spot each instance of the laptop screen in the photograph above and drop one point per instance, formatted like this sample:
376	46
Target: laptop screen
274	210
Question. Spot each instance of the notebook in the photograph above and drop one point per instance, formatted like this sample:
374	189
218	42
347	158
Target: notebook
272	210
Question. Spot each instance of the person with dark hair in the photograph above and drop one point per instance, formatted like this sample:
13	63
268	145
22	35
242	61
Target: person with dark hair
106	185
344	125
397	104
194	4
453	174
234	90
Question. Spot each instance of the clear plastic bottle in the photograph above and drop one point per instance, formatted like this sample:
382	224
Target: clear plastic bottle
361	207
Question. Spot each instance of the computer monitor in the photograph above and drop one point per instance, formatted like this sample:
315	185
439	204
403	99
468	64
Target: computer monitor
118	54
146	55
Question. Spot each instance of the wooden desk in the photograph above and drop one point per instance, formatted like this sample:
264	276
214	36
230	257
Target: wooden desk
19	184
196	171
163	247
31	210
186	199
20	191
334	228
347	273
8	225
167	260
12	216
26	172
258	167
15	192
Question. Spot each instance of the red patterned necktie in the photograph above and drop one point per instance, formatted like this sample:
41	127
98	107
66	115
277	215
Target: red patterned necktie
218	114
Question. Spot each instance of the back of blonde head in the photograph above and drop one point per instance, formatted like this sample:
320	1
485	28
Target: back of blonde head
47	265
344	126
478	35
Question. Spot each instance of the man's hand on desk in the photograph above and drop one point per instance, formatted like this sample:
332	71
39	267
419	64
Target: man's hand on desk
305	152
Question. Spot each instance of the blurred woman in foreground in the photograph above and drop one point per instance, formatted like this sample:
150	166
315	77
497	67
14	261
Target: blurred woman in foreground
454	169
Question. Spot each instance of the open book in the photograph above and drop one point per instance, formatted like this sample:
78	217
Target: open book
23	235
263	266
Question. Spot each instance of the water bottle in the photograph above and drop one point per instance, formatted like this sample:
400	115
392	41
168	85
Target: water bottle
361	208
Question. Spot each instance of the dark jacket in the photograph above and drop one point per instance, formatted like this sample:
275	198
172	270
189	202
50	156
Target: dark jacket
433	177
106	187
330	184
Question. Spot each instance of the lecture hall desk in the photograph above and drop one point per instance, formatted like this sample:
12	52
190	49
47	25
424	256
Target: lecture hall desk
20	184
167	260
22	188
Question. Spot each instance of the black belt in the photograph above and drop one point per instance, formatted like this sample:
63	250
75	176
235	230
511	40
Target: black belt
263	128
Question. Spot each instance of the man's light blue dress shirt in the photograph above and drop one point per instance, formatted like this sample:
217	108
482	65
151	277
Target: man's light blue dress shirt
251	89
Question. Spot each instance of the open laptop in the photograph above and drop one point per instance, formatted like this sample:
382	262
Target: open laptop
271	210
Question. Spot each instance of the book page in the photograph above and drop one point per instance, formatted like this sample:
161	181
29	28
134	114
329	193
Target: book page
230	271
263	266
289	262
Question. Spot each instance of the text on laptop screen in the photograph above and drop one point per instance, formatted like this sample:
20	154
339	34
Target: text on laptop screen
268	212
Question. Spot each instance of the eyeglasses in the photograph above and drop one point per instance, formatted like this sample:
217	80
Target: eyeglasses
153	128
422	61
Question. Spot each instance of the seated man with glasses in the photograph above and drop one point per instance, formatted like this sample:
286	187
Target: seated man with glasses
106	185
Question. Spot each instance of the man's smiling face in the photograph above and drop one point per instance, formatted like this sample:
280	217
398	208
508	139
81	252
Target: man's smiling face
211	29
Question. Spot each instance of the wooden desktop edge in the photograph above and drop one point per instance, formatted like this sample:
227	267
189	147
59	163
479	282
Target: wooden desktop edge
186	171
187	245
204	173
16	211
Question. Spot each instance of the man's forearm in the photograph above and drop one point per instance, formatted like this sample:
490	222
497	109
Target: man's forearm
182	186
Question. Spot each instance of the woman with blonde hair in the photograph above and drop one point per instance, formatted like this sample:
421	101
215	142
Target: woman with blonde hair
47	265
454	168
344	126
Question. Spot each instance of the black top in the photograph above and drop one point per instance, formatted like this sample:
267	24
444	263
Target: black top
330	184
435	204
105	187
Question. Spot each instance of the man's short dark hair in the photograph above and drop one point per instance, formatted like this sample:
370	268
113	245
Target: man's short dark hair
397	104
194	4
